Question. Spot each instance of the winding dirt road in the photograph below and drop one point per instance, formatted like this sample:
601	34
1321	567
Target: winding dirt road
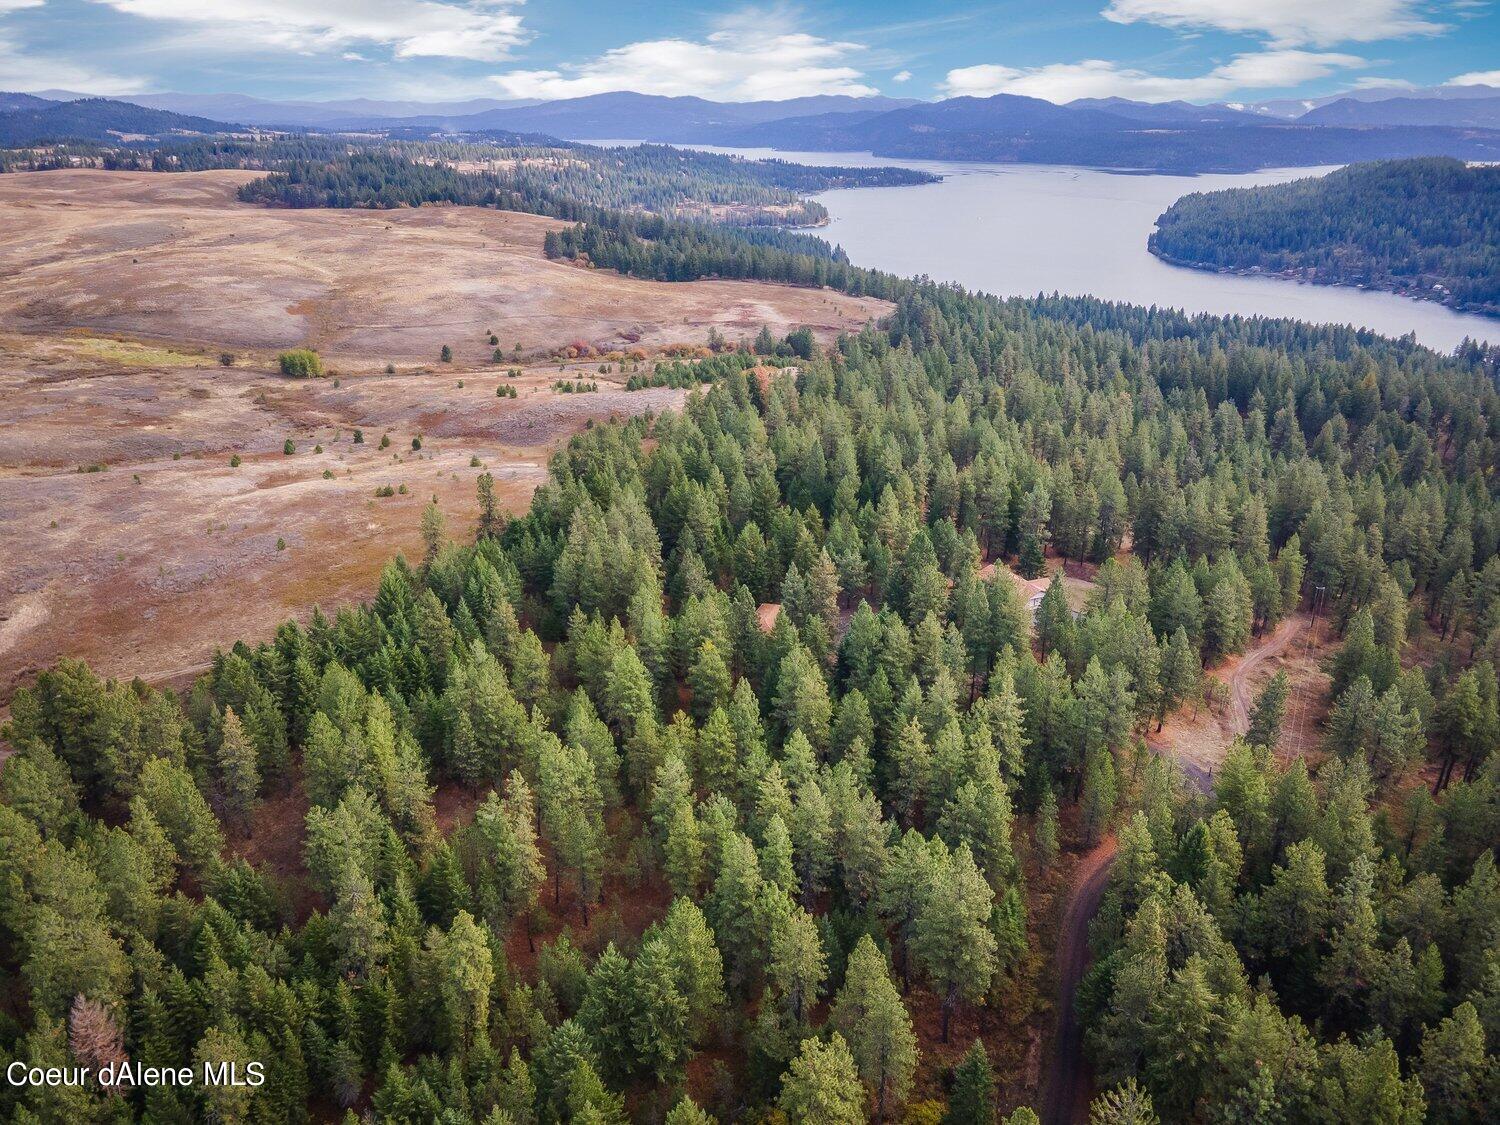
1068	1085
1239	686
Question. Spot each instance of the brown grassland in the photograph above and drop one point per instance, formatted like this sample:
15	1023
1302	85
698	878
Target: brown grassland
128	539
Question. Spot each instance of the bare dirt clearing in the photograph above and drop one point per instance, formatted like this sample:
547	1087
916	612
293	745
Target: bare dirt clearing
128	539
1199	737
176	257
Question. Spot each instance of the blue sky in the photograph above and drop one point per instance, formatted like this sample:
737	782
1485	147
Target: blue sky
1155	50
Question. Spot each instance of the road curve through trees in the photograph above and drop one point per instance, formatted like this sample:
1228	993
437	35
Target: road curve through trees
1066	1092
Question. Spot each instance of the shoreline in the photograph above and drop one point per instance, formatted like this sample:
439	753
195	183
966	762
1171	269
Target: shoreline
1291	275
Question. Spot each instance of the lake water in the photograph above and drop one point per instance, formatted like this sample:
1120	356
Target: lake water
1023	229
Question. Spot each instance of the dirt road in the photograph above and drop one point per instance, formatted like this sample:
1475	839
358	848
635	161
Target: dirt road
1067	1091
1068	1085
1239	683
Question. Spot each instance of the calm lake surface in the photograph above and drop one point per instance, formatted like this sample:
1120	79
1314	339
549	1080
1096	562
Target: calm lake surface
1023	229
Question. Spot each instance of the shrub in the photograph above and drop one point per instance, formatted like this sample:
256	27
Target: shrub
226	359
234	461
359	437
385	441
446	355
300	363
288	447
416	442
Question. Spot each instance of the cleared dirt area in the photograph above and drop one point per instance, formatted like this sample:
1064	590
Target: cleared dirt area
126	536
1199	737
176	257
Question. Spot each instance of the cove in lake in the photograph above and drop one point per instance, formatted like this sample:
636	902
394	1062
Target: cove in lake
1024	229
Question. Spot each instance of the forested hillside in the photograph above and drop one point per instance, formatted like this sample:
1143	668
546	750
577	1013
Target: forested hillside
580	840
568	180
1429	228
94	119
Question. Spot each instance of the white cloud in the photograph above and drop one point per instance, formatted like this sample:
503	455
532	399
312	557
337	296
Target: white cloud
901	76
1476	78
1099	78
744	60
481	30
1287	23
1376	82
27	70
7	6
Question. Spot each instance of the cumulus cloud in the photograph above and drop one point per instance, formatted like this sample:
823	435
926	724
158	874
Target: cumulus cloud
1287	23
479	30
740	61
901	76
1099	78
1477	78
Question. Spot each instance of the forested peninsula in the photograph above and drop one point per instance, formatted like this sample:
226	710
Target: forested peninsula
1427	228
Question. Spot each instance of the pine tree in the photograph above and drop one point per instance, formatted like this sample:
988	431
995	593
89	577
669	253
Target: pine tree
1453	1068
1270	707
572	818
433	530
227	1102
710	681
238	774
972	1101
822	1085
868	1012
1046	829
1099	795
802	701
464	974
514	870
1181	675
530	669
952	941
687	1112
1054	619
1126	1104
797	964
731	904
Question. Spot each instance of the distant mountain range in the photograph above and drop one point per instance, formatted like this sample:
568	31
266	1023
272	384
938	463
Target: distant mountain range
654	118
1292	108
1463	122
1006	128
1471	113
341	114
